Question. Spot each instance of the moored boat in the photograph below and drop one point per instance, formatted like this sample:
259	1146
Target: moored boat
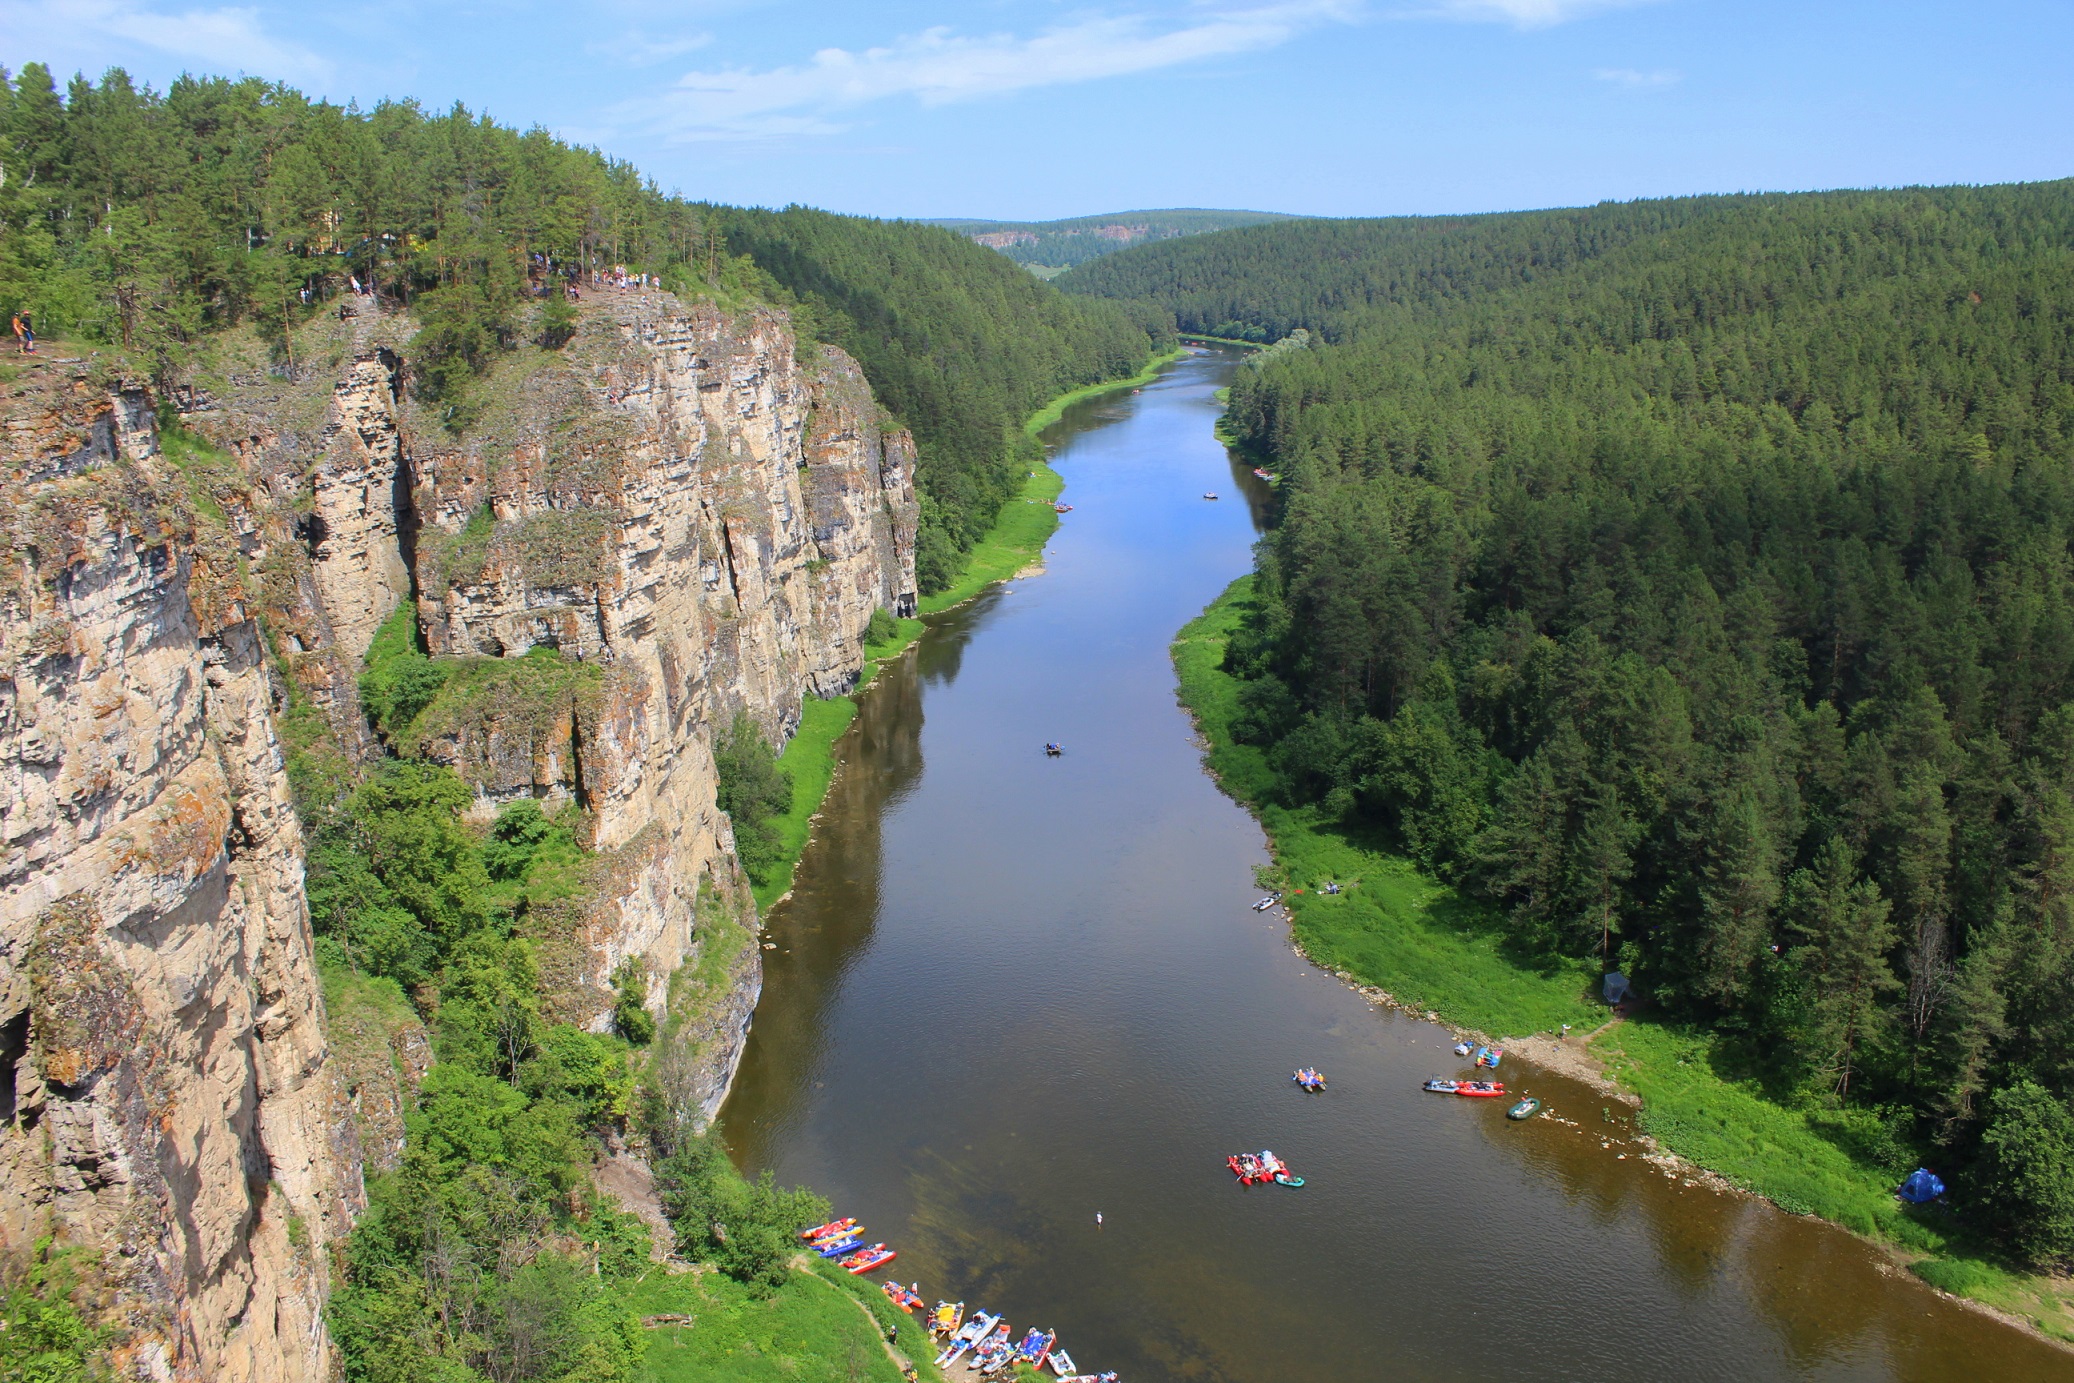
865	1260
836	1248
964	1339
1036	1347
1062	1363
994	1351
823	1231
906	1298
946	1318
848	1231
1264	904
1443	1087
1525	1109
1482	1089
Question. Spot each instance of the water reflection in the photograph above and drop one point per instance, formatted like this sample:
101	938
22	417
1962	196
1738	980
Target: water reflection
834	910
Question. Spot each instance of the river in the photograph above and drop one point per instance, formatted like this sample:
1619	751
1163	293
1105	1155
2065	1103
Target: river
1011	992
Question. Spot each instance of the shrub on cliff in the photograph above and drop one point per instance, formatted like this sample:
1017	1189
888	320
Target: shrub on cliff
755	792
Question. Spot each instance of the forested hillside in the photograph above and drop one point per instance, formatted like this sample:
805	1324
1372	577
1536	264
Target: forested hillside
959	342
148	220
1052	246
1692	579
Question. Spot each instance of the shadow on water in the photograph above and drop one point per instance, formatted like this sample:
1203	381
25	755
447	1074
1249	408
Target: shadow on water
835	908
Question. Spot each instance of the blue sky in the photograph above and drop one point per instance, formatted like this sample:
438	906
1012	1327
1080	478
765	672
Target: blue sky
1037	109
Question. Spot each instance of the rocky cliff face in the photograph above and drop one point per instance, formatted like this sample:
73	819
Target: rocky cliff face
671	521
163	1077
698	524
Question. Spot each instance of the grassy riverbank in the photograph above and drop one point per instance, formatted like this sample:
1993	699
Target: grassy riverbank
1437	950
1024	525
821	1324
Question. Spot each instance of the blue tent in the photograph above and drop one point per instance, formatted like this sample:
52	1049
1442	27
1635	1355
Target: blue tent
1616	987
1921	1186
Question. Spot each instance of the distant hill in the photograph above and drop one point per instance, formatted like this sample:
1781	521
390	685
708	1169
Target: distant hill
1050	247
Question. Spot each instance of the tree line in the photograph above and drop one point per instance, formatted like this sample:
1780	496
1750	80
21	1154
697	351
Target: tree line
148	220
1691	579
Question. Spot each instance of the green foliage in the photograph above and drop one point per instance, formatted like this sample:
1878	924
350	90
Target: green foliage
43	1336
2027	1171
882	627
630	1015
399	680
810	1328
755	792
748	1229
1690	578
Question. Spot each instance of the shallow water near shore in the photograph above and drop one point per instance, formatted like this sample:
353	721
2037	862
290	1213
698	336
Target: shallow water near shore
1011	992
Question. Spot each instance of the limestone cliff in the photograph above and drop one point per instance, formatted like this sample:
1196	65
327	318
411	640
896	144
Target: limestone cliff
678	517
163	1075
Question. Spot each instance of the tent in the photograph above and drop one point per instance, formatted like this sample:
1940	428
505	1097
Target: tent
1921	1186
1616	987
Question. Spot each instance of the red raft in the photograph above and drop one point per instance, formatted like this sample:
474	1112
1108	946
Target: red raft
1481	1089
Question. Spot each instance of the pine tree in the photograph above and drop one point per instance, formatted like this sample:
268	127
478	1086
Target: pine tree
1844	936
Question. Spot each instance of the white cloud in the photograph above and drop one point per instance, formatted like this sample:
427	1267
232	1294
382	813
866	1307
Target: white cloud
1629	77
1524	14
938	67
223	40
636	49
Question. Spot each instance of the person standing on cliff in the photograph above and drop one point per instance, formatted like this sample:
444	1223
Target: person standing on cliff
25	333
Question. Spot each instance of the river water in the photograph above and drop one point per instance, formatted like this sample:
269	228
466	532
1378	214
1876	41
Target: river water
1012	992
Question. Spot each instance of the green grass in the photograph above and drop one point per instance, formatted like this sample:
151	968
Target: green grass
1056	409
1017	538
1434	949
808	1329
810	758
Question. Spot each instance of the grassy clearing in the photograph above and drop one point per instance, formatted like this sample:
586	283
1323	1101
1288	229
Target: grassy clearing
1016	540
1434	949
810	758
808	1329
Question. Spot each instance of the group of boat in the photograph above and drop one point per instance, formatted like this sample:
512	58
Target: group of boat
986	1338
1310	1078
843	1241
992	1346
1261	1167
1527	1108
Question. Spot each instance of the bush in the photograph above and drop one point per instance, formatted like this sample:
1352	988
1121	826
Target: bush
630	1013
882	627
746	1229
755	792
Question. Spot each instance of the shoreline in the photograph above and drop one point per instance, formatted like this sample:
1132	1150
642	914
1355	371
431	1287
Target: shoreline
1614	1057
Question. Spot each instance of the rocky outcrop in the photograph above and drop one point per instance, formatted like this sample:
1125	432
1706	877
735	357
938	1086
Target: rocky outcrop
163	1072
674	520
359	527
698	524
